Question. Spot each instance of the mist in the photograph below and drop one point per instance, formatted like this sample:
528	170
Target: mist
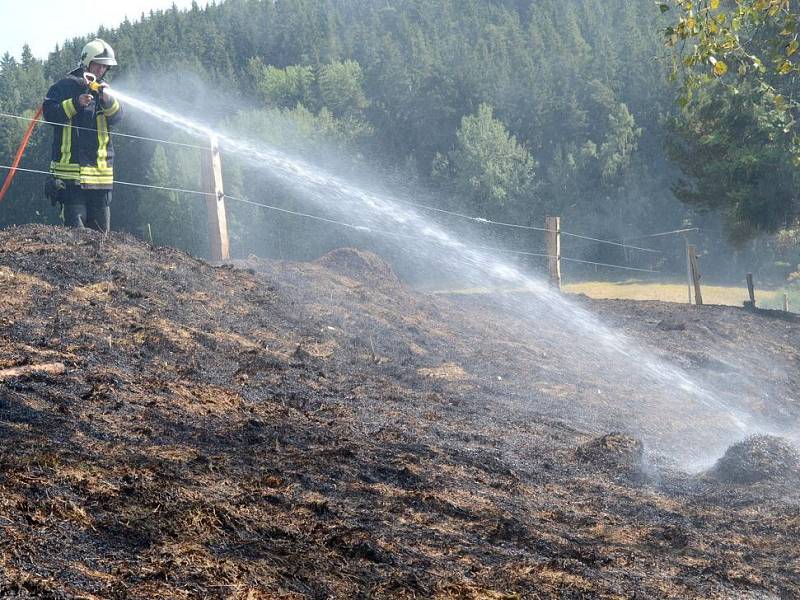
696	423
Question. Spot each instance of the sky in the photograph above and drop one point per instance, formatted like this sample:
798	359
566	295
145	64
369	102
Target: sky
45	23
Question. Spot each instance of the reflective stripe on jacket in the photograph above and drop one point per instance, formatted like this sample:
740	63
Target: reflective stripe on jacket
83	151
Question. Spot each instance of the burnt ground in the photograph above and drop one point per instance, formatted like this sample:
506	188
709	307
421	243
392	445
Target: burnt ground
319	430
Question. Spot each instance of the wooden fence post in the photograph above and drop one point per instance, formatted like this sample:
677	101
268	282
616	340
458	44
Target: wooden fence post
215	203
751	290
688	269
694	268
786	303
553	226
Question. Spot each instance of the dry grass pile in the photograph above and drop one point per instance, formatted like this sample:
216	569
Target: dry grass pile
758	458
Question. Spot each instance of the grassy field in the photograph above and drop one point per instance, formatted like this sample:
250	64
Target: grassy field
672	292
730	295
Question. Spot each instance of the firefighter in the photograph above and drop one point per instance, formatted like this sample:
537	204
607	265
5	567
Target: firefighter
82	108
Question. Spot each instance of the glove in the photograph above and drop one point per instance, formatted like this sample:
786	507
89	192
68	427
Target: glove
53	189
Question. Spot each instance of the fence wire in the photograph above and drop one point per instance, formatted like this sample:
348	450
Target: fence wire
361	228
456	214
480	220
114	133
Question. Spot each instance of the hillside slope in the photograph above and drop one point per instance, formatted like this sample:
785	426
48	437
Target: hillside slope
319	430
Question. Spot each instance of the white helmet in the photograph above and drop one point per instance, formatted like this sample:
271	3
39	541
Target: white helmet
98	51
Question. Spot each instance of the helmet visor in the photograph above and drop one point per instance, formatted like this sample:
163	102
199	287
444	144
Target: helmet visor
109	61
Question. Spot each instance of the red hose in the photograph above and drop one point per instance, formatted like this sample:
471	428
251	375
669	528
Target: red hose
25	139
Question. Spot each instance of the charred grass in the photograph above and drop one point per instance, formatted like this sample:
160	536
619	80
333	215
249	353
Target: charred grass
319	430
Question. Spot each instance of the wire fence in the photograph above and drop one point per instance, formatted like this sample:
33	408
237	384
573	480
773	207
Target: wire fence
621	244
113	133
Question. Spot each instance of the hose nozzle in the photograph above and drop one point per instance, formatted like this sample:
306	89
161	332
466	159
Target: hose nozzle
92	83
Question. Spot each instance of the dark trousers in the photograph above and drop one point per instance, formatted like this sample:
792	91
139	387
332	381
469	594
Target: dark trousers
87	208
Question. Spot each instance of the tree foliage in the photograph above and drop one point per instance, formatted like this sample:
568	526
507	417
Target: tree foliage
282	87
746	38
518	108
487	167
734	163
737	63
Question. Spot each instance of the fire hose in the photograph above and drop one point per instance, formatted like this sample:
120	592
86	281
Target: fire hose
20	151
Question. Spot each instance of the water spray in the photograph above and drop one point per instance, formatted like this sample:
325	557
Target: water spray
386	212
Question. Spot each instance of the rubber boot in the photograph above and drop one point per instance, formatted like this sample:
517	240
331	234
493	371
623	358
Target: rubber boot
98	215
98	207
74	213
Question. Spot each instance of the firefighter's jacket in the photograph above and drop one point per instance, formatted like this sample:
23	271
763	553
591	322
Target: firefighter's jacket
83	152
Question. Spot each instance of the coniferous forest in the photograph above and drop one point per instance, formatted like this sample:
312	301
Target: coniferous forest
507	110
